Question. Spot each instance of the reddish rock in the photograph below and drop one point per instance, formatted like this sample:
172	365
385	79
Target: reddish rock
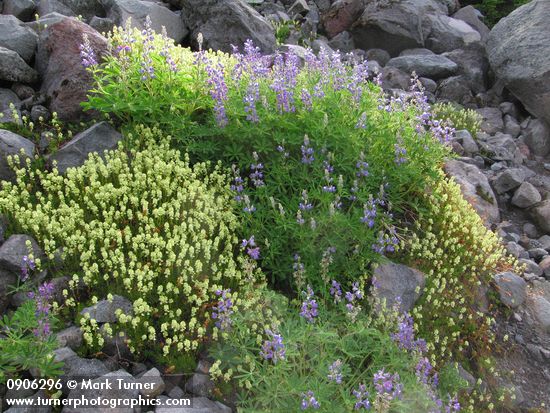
341	16
64	80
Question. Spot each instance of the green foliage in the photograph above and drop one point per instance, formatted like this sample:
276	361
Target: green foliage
144	225
363	347
283	30
458	117
344	126
494	10
21	348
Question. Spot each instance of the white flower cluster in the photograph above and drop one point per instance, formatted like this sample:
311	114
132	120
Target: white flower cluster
144	225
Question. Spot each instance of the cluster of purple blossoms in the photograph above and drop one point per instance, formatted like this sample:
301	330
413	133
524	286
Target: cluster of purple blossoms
386	242
369	212
87	53
362	397
257	175
335	372
281	149
336	291
307	152
165	52
252	250
362	168
310	308
329	187
306	99
27	265
351	297
237	185
354	190
425	372
249	100
147	70
223	310
218	91
400	154
305	205
362	122
42	300
404	337
299	271
443	133
274	348
453	406
248	207
387	385
309	401
358	79
338	71
285	70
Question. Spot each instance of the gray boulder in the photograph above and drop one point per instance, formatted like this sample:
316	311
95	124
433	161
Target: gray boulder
200	384
394	282
104	310
85	8
500	147
14	35
473	64
80	368
155	383
97	139
432	66
14	69
395	26
541	216
46	7
32	409
70	337
540	308
455	89
340	16
14	249
518	48
491	120
475	189
22	9
12	144
508	180
537	137
226	23
7	97
137	10
511	288
526	196
448	34
472	16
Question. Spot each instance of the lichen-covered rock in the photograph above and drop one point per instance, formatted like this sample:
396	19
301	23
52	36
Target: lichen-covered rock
511	288
526	196
432	66
14	35
14	69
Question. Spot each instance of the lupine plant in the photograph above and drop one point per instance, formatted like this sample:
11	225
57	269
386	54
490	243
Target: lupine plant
317	148
26	338
335	364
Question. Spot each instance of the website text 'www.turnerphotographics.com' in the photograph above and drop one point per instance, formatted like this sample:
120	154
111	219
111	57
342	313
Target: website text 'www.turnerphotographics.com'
104	392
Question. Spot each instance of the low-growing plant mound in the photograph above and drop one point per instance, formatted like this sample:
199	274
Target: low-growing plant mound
143	225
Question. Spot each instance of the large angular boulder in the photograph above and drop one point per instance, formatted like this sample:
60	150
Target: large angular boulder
104	311
432	66
14	35
14	69
472	16
397	283
12	144
226	23
408	24
65	81
475	189
448	34
340	16
472	64
511	288
137	11
518	48
22	9
98	138
53	6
